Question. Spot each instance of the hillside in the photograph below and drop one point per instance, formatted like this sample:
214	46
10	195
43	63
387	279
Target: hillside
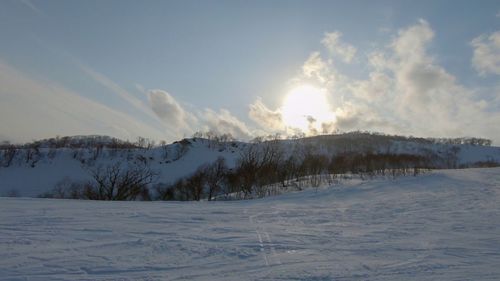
32	169
444	225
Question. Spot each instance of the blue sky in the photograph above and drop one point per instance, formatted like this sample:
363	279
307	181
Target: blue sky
164	69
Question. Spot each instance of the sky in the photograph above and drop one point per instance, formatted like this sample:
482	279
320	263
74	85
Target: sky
166	69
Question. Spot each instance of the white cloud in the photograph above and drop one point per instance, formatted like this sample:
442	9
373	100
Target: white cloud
270	120
185	122
224	122
407	91
40	109
378	60
420	94
315	67
335	46
170	111
318	71
375	89
486	58
411	42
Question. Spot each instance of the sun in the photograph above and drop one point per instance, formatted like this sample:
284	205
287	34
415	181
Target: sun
306	108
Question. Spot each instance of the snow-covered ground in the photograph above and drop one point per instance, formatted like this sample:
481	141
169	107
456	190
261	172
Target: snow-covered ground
35	177
444	225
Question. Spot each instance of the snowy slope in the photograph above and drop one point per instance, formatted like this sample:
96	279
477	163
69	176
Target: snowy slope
440	226
28	181
32	178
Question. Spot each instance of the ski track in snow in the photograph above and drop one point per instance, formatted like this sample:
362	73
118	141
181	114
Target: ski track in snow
266	244
441	226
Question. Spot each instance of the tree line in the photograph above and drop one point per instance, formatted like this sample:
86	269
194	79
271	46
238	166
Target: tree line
263	168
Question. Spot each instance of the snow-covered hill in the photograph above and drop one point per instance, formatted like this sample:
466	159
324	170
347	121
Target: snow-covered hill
444	225
34	177
37	168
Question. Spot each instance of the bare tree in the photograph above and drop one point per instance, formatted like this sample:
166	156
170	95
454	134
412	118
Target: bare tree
9	153
181	148
115	182
215	176
195	184
258	165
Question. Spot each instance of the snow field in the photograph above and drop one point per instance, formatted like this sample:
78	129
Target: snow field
440	226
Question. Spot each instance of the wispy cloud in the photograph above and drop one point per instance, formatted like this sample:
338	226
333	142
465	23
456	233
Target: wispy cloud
140	106
486	59
336	46
40	109
32	7
116	89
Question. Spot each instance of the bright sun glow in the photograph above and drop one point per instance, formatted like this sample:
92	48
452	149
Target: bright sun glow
306	107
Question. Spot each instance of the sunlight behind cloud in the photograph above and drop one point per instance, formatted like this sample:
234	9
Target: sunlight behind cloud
306	108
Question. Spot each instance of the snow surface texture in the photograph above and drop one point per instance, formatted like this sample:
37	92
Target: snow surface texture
444	225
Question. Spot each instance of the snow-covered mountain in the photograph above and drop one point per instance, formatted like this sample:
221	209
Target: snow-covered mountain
32	169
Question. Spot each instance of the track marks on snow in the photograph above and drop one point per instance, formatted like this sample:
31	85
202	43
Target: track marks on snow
266	244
